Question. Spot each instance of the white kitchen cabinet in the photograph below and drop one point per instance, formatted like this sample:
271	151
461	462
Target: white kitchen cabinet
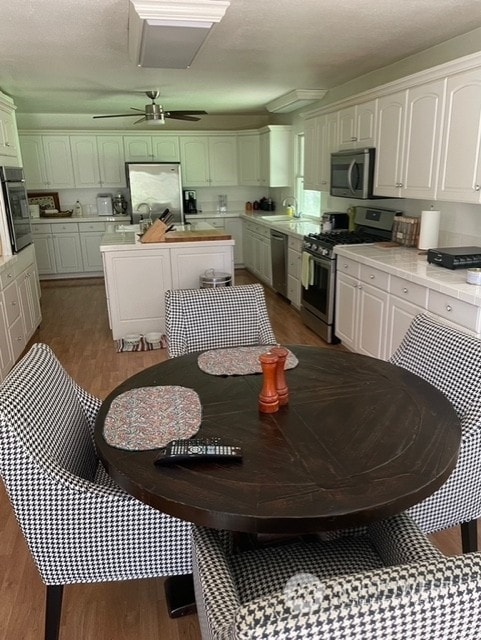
328	139
361	308
161	148
85	161
460	166
90	234
209	160
47	161
28	292
6	355
312	152
8	135
68	253
137	148
357	126
294	255
408	142
234	227
257	250
276	156
189	262
165	148
111	161
249	160
406	300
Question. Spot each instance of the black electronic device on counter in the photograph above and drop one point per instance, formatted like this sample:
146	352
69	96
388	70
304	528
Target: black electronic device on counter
455	257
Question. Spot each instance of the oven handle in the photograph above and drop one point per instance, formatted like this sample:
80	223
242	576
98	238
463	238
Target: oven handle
317	258
349	176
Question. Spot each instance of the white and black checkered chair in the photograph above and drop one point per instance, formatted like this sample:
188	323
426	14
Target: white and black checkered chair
197	319
79	525
451	361
389	583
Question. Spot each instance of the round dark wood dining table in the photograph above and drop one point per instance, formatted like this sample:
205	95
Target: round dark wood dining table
360	440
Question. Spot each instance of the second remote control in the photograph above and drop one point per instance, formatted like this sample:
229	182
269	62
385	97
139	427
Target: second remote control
197	449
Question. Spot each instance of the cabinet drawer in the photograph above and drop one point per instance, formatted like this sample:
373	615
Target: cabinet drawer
12	306
218	223
8	276
295	243
346	265
65	227
294	263
41	228
411	291
373	276
452	309
91	226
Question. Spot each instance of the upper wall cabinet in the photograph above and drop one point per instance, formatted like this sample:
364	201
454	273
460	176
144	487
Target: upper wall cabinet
460	167
47	162
209	161
162	148
276	156
357	126
408	142
320	140
249	159
8	135
98	161
111	160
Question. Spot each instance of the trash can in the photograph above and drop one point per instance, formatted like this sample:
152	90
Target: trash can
212	279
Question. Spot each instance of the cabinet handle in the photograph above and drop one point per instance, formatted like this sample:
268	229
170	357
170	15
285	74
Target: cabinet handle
405	290
359	286
7	144
353	139
9	275
372	276
449	307
477	187
19	339
346	266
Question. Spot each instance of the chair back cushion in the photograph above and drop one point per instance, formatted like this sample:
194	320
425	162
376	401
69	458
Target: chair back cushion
198	319
42	421
447	358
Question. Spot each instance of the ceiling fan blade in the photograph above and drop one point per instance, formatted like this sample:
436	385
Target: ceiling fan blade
187	113
141	120
118	115
135	109
180	117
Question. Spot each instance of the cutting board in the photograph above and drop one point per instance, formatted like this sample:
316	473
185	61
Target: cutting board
196	236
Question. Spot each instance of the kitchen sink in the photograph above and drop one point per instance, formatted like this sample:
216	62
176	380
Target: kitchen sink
123	228
277	218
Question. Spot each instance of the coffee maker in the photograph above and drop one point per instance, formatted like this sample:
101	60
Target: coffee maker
190	201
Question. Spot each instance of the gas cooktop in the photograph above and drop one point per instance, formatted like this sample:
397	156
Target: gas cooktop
324	243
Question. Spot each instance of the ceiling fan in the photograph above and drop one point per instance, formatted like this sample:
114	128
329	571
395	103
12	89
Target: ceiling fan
155	112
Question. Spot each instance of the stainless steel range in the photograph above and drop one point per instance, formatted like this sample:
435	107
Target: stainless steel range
319	265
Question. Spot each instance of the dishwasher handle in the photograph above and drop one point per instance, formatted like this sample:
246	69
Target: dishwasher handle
278	236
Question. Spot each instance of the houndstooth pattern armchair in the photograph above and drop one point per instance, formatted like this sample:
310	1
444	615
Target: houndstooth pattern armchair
389	583
79	525
451	361
197	319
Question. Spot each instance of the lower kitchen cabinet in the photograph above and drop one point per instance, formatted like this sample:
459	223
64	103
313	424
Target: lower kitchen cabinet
257	250
234	227
68	254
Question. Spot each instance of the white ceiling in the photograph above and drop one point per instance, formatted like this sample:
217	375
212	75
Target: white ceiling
71	56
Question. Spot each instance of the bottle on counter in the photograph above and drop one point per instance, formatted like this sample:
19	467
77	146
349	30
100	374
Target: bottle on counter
77	209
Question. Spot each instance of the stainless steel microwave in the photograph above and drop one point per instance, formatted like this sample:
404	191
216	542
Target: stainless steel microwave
352	173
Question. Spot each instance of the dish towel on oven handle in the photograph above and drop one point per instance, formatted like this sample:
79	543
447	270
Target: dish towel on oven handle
307	270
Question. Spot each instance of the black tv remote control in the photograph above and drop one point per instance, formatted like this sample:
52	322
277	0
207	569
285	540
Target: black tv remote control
194	449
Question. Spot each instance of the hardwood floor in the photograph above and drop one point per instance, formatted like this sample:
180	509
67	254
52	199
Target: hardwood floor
75	325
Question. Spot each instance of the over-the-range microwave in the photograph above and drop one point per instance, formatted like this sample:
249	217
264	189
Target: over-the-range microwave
352	173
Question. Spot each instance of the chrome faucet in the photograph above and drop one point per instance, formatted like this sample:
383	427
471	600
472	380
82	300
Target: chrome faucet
291	201
145	204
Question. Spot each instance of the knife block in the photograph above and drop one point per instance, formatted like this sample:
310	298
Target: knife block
155	233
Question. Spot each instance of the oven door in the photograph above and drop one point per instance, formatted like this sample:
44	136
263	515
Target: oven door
317	300
18	216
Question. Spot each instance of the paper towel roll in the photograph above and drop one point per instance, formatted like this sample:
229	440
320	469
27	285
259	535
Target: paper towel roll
429	233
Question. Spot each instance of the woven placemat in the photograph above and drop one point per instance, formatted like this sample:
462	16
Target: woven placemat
238	361
150	417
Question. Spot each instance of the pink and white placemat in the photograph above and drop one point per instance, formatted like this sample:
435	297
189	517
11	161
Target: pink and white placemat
238	361
150	417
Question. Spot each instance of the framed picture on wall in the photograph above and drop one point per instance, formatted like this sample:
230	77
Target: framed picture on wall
45	199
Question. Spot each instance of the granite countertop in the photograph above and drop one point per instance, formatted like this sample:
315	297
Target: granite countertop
297	227
412	264
80	219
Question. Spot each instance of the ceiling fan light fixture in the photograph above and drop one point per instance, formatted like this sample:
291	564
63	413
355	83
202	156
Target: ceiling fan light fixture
167	34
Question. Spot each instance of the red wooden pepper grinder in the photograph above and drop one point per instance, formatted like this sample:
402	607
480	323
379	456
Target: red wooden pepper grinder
281	384
268	397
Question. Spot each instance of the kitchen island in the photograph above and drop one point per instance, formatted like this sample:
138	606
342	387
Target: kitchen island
137	275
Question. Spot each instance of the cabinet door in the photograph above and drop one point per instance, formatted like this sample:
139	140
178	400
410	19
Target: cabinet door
194	153
328	136
33	162
6	354
401	313
111	161
371	320
8	134
45	253
390	137
29	303
312	154
347	128
137	148
346	310
276	156
223	161
188	263
165	148
58	162
422	140
248	247
68	254
90	244
85	161
365	129
248	148
234	227
460	170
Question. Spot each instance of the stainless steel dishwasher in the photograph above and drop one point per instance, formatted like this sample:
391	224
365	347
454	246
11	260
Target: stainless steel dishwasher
279	261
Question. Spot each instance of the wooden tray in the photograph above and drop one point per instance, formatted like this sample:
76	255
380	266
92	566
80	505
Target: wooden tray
193	236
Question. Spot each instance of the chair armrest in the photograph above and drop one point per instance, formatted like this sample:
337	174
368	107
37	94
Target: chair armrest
90	405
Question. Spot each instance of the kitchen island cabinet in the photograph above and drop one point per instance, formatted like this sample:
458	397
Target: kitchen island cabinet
402	285
138	275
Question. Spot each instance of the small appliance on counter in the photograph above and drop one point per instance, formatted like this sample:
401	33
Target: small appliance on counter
104	204
455	257
190	201
332	220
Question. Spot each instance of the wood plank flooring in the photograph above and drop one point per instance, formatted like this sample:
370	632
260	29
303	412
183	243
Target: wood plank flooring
75	325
